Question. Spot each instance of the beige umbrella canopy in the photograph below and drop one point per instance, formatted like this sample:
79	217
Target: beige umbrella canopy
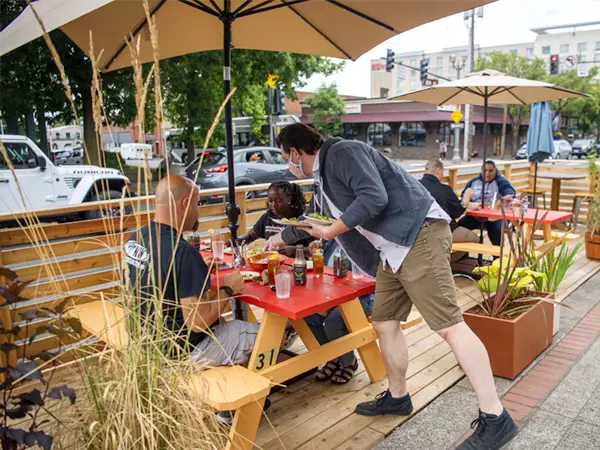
491	86
337	28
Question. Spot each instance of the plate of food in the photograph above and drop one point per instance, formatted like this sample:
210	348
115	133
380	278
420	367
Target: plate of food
319	219
293	222
249	275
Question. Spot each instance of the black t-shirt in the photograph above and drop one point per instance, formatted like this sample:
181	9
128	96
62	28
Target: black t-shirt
188	276
265	228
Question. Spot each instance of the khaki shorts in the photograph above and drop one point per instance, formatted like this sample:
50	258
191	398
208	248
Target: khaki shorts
424	280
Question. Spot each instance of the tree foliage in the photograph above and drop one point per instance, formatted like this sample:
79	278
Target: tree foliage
328	107
516	66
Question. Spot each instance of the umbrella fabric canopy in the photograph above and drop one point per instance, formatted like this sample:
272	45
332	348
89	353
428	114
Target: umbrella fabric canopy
540	143
336	28
496	87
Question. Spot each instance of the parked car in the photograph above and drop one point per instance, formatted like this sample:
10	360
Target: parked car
44	185
581	147
252	165
522	152
562	149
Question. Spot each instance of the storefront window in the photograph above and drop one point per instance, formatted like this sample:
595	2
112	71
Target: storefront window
379	135
412	134
350	131
445	133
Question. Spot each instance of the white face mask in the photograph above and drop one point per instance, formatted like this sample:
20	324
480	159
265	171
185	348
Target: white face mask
296	169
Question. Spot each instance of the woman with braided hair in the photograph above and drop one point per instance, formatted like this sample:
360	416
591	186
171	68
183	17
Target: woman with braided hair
285	200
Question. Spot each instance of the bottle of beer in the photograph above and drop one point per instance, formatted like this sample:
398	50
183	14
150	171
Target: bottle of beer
300	267
340	263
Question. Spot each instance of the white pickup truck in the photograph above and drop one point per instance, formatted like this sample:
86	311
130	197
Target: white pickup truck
45	185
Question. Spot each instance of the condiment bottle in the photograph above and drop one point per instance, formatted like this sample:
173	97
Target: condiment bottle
300	267
340	263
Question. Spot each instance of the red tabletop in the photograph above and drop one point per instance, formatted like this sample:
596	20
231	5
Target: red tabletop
319	294
531	215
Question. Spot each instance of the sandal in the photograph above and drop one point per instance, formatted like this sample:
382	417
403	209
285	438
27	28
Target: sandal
326	372
344	374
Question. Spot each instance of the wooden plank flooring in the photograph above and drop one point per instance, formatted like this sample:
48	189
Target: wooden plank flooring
310	415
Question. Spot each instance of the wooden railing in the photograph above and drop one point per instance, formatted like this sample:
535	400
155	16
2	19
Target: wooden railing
79	260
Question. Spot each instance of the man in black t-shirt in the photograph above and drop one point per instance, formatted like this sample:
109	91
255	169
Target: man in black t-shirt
162	265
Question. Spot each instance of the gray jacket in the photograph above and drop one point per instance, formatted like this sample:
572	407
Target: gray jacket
371	191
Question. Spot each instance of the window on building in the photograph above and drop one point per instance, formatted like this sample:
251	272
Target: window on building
78	135
546	50
351	131
57	135
445	133
412	134
529	52
439	60
413	85
597	45
68	135
564	48
582	47
384	92
379	135
413	62
514	51
597	57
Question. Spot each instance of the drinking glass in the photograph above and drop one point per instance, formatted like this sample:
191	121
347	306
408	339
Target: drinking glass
283	282
219	249
356	273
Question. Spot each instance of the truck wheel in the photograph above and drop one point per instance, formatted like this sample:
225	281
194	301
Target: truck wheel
184	159
106	212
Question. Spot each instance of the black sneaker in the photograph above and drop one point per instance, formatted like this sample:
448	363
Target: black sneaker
492	432
226	417
384	403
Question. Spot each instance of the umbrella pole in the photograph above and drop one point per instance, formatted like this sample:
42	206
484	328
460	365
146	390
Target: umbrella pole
485	111
232	210
534	186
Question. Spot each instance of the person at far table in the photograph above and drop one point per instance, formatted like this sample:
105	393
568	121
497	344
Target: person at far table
158	256
473	192
284	200
392	228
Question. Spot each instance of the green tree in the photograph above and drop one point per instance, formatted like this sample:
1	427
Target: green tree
580	108
328	107
516	66
193	87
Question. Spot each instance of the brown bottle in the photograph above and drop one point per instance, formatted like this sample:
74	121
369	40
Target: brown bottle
300	267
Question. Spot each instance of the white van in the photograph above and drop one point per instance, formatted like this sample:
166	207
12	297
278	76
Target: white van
136	151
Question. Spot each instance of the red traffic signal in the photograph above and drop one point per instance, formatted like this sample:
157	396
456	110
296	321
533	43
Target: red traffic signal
554	64
554	58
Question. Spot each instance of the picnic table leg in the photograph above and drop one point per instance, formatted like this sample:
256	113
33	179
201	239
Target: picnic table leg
355	320
555	194
268	341
547	228
251	317
307	336
245	426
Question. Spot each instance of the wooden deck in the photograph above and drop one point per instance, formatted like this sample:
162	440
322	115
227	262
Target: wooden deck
314	415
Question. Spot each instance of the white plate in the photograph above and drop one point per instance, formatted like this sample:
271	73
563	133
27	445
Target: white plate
248	275
314	221
289	224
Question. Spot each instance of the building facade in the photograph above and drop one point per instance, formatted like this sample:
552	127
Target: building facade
571	42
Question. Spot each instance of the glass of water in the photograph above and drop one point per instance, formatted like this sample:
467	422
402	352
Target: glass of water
283	282
356	273
219	249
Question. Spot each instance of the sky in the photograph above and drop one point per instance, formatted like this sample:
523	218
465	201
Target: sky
504	22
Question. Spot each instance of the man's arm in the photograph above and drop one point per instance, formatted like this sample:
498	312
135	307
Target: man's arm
201	313
456	208
357	171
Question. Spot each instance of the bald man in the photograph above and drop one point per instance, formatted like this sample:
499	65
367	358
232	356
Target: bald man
191	309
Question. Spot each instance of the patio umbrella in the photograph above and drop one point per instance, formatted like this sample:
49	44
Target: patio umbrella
336	28
540	143
489	86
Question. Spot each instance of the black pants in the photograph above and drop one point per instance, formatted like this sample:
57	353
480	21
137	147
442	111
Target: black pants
494	229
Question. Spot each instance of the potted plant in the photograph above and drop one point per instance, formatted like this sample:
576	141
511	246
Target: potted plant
512	318
592	236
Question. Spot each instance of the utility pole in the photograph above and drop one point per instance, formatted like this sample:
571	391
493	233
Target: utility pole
458	63
470	23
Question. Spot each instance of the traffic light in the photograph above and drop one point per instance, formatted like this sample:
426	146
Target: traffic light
279	103
424	69
389	60
553	64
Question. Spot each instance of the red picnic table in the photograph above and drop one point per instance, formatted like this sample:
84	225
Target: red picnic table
547	217
319	294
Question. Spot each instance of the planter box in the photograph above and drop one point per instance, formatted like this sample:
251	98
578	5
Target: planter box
592	246
513	344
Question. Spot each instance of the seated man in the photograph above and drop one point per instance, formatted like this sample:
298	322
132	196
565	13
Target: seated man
447	199
159	260
473	193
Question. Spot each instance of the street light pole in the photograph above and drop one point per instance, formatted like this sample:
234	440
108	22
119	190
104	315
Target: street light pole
458	64
470	22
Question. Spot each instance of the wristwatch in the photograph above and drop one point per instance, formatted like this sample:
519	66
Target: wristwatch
227	290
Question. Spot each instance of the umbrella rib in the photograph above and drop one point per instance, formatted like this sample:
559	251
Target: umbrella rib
257	9
362	15
201	6
451	97
217	9
515	96
241	7
318	31
136	30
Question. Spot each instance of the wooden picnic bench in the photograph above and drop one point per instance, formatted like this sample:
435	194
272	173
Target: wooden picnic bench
480	249
225	388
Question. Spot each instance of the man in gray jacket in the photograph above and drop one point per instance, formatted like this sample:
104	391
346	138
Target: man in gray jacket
391	228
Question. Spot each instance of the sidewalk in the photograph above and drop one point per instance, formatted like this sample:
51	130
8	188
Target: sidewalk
556	400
